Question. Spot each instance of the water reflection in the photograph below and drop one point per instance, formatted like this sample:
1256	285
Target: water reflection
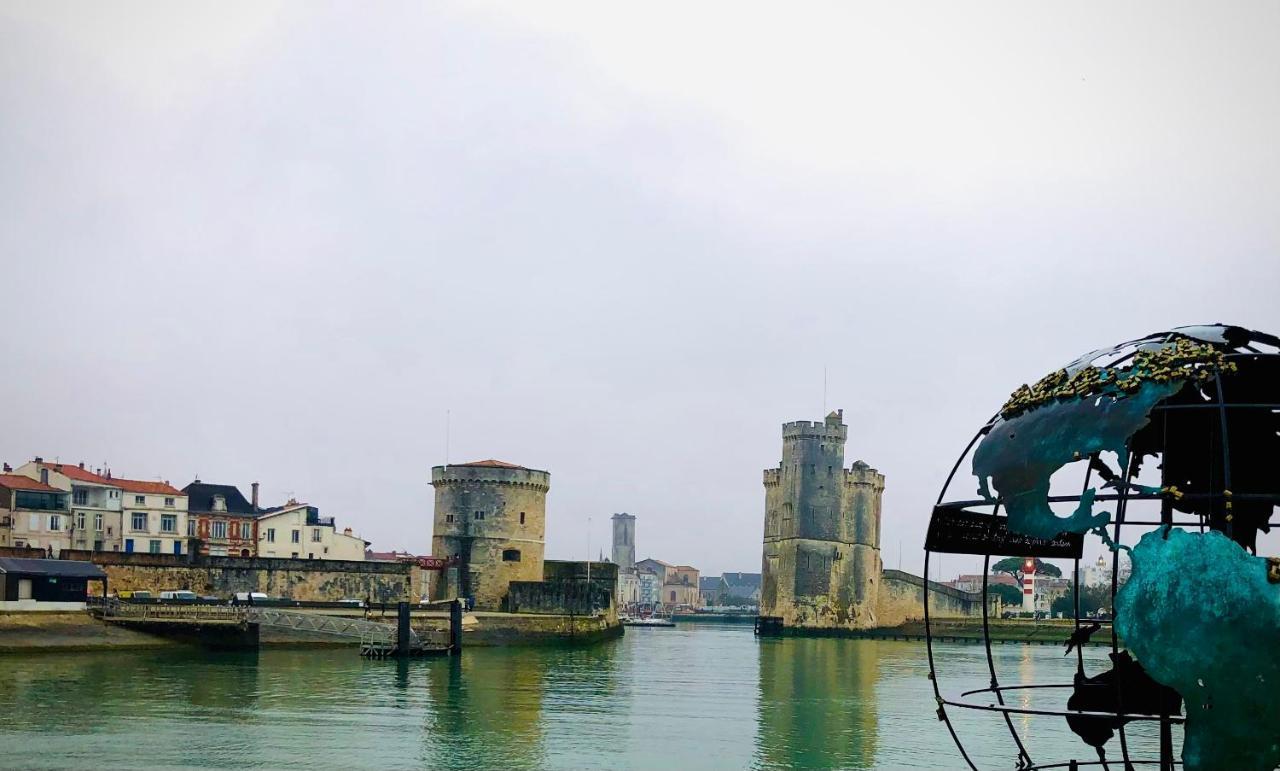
817	705
484	711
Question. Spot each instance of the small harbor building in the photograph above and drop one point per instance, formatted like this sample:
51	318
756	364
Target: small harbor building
43	584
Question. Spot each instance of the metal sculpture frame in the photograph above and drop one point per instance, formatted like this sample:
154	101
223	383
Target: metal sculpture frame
967	699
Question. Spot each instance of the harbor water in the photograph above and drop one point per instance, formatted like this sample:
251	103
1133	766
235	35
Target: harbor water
699	696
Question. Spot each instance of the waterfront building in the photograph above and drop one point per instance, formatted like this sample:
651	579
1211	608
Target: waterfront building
742	587
32	513
657	567
681	587
297	530
712	589
154	516
223	520
821	565
969	582
491	516
45	584
649	584
95	520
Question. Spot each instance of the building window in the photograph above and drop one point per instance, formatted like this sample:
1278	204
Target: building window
296	537
315	535
168	523
168	502
80	520
510	555
35	522
479	515
97	523
80	497
55	522
448	517
113	493
218	529
294	555
139	500
191	528
673	596
138	521
246	530
271	535
153	547
522	517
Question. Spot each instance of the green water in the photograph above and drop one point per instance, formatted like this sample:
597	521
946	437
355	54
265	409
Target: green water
698	696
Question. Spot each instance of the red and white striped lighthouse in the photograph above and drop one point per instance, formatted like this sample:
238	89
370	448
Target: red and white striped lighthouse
1029	585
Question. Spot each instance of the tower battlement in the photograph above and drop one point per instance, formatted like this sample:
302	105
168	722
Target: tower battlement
831	429
772	477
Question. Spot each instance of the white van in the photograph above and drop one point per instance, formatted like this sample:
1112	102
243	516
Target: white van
246	597
178	594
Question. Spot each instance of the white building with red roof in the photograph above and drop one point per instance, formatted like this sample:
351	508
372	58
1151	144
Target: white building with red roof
155	517
32	513
94	521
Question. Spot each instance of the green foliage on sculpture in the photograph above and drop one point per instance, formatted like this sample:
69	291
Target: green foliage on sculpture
1202	617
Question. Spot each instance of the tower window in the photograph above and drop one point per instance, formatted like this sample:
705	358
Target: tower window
510	555
478	515
522	517
448	517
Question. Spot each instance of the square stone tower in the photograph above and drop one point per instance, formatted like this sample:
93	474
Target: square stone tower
821	566
624	541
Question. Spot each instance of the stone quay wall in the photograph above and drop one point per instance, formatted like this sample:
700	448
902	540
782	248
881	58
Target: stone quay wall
296	579
901	600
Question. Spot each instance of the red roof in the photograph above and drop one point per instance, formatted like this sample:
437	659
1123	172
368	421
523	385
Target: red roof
19	482
141	486
490	463
75	472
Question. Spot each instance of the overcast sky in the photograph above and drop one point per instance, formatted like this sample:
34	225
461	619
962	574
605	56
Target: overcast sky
279	242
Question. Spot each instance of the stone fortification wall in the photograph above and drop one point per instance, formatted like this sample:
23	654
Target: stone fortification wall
494	520
562	598
297	579
901	600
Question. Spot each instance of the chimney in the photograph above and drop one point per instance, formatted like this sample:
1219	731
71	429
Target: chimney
255	496
7	468
346	531
82	464
39	459
108	473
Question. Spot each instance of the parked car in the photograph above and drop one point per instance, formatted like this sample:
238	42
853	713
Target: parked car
178	594
352	601
248	598
136	594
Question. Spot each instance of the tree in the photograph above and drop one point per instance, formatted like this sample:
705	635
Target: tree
1013	566
1011	596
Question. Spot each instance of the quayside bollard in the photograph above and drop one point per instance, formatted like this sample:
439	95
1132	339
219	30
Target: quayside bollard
402	630
455	627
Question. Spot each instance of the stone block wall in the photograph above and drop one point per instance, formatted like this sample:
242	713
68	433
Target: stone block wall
297	579
902	599
567	598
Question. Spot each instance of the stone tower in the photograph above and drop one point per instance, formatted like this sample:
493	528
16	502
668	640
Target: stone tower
821	566
491	516
624	541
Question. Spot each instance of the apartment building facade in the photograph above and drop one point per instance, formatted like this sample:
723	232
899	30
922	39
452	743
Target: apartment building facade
296	530
154	517
95	520
32	514
224	521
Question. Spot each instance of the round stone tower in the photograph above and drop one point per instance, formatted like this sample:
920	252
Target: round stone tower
491	516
